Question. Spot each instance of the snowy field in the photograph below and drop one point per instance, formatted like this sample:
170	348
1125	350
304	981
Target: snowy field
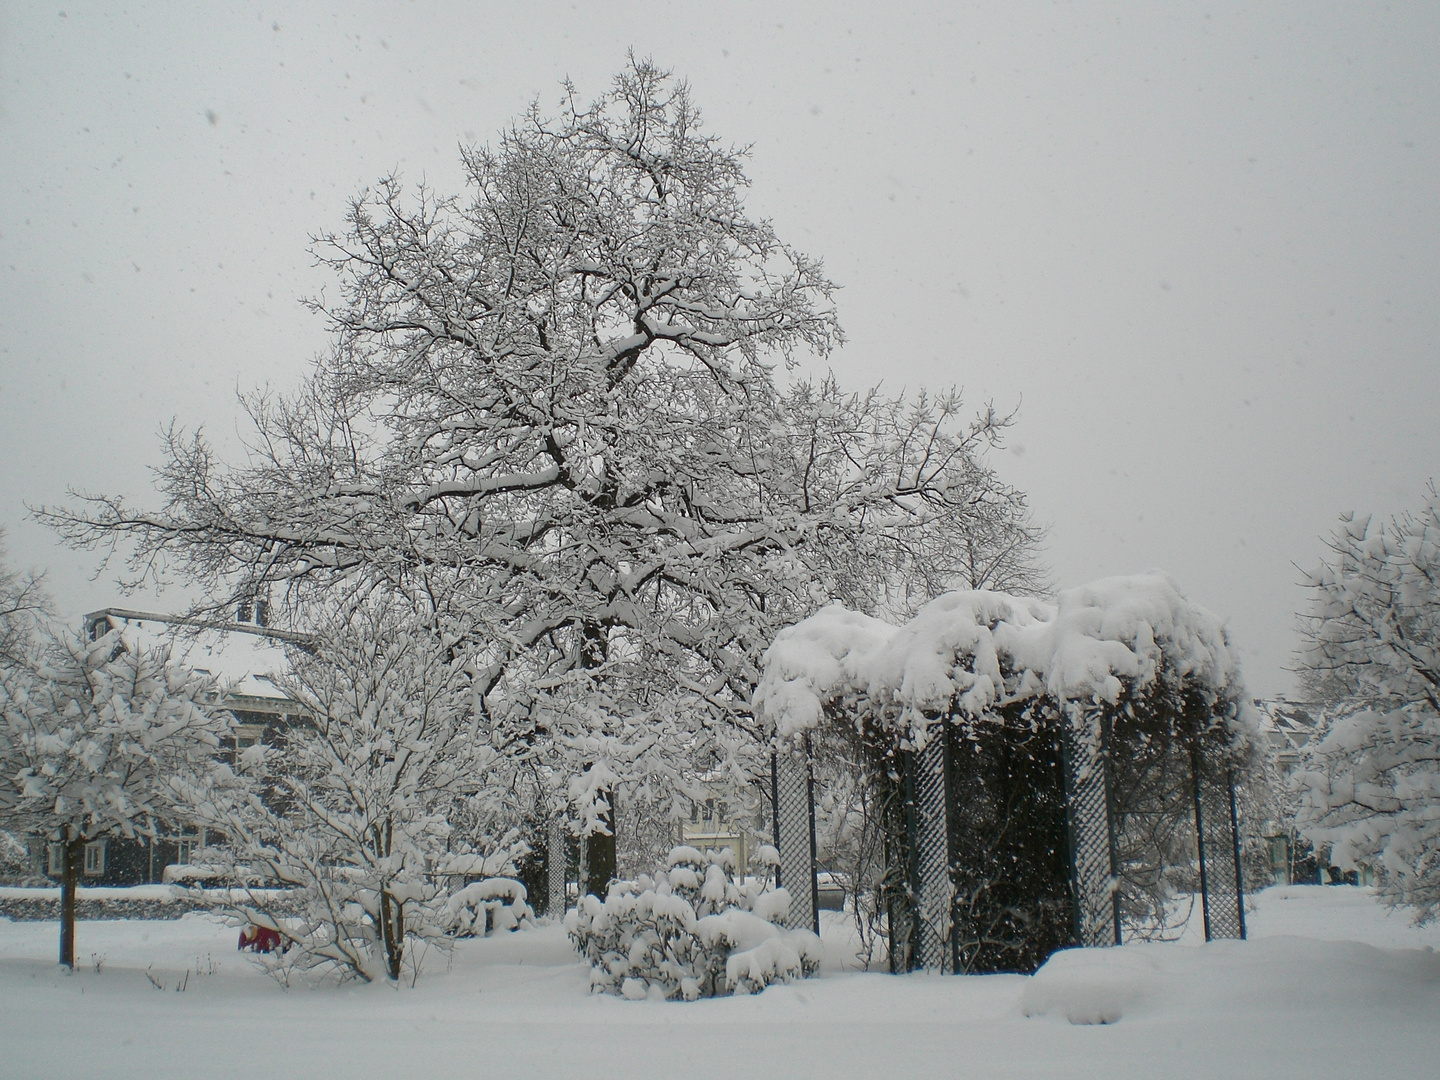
1331	985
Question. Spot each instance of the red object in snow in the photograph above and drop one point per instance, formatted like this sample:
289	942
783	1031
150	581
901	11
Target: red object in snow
259	938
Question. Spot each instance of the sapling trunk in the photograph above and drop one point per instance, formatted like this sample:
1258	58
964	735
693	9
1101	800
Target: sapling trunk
72	861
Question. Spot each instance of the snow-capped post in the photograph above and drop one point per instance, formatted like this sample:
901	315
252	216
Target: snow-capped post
1094	872
93	732
934	848
1217	843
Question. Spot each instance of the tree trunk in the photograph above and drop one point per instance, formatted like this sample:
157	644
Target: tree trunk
392	930
600	855
392	911
599	847
72	863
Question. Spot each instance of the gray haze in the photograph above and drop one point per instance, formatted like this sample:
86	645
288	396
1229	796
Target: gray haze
1198	246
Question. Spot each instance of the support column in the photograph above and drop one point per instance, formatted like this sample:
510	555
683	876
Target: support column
555	875
794	817
934	885
1094	874
1217	842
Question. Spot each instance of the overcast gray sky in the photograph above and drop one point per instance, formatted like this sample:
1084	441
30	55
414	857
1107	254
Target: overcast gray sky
1198	245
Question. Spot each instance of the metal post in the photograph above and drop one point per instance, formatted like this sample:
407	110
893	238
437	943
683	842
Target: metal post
933	884
793	795
1200	837
555	867
814	853
1090	816
1113	841
1235	843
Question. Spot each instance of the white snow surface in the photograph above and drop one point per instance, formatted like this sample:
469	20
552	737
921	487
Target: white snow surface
983	648
1331	984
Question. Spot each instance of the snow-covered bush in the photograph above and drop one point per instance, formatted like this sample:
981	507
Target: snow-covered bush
1371	784
690	932
1371	794
488	905
352	815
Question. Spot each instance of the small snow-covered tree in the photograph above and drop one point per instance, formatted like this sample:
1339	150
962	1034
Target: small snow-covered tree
1371	784
350	813
92	733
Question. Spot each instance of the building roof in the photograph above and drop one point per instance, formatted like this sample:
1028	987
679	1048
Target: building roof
246	658
1288	725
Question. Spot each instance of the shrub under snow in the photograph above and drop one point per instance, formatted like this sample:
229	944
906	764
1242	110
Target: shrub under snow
690	932
484	906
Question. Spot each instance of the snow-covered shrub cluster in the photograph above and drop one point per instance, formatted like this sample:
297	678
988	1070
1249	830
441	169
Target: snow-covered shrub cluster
690	932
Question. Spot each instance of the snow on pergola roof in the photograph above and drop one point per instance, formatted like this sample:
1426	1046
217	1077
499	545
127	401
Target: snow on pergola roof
983	649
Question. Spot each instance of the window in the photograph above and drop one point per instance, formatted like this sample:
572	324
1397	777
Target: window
246	736
94	859
185	845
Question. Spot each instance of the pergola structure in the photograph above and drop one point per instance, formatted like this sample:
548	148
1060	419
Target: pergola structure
1042	770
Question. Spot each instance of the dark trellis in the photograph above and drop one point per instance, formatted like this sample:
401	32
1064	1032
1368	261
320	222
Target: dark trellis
792	801
1036	827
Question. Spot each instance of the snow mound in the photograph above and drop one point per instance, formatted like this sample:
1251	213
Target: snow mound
1234	981
1091	986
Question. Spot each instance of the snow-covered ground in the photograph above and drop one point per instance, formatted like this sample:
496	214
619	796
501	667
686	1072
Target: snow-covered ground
1331	985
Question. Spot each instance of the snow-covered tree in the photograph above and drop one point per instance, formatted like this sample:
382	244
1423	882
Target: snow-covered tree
24	607
1371	785
551	411
92	733
351	813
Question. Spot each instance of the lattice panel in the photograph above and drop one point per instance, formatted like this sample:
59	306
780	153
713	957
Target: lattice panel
934	887
795	836
1223	897
1087	795
555	867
